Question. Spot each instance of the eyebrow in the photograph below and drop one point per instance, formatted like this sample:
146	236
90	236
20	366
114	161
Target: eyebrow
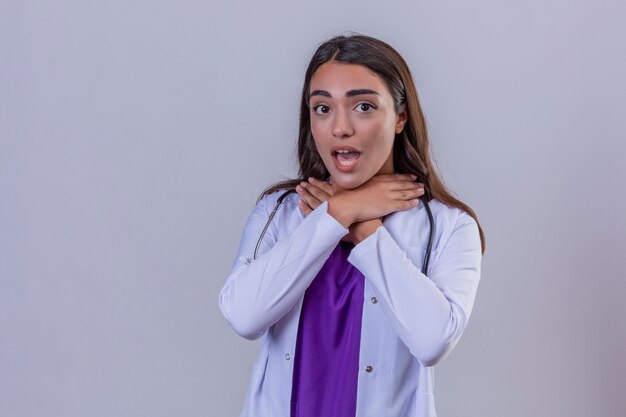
350	93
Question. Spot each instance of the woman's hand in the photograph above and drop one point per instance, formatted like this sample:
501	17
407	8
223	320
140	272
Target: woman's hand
315	192
312	194
397	192
376	198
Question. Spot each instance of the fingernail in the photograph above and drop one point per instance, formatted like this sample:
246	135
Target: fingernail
414	176
304	184
311	179
298	188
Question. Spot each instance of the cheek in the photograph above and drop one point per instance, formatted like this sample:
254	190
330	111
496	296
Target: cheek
380	144
381	137
322	143
315	131
322	148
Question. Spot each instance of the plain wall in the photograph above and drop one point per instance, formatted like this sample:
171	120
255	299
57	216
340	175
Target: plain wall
135	137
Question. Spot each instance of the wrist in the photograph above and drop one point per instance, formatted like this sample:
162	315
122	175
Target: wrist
339	212
363	230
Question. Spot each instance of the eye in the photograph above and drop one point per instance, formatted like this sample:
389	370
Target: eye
365	107
321	109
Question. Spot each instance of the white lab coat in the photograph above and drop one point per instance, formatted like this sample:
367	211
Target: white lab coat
410	320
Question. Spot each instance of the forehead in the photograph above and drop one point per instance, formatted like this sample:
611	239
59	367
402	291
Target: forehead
340	77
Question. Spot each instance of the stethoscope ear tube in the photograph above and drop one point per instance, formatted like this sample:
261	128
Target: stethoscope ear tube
272	214
431	237
431	221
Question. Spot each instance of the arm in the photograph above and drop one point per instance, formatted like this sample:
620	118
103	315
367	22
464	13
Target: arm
260	292
429	314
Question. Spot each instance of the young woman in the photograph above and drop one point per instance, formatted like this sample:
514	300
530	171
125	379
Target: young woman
360	275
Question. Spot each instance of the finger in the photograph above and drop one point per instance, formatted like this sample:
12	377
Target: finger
409	194
325	186
311	200
304	207
405	185
306	191
315	191
406	205
307	198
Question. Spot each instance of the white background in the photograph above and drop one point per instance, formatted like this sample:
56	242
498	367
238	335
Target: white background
136	135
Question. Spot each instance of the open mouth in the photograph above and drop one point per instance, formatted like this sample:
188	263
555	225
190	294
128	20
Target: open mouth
345	158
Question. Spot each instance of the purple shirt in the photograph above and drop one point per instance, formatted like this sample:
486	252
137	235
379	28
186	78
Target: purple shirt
327	348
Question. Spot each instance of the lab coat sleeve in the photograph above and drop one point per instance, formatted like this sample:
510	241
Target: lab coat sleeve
260	292
428	313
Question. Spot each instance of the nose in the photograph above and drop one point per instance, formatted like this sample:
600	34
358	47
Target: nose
342	126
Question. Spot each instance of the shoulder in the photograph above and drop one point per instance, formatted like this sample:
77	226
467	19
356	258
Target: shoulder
285	196
448	217
445	218
264	207
285	202
412	229
458	230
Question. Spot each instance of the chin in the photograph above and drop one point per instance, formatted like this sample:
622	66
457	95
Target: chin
348	181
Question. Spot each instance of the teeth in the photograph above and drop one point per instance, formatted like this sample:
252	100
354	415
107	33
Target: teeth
343	151
346	163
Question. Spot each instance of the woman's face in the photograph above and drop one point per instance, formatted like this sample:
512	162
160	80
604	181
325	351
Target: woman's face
353	122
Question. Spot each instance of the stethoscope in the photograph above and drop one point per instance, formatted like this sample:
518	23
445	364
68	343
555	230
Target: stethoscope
422	199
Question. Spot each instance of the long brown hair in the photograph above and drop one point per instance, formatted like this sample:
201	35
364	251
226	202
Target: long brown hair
411	148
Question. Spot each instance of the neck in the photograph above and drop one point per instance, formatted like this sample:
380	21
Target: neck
387	167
